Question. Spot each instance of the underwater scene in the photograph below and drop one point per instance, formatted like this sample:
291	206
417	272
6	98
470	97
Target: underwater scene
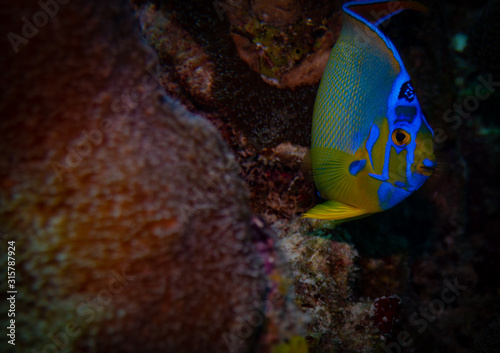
250	176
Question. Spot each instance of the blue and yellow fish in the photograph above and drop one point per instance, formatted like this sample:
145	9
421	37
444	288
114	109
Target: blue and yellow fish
371	145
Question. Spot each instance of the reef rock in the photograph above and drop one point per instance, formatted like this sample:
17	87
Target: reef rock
131	226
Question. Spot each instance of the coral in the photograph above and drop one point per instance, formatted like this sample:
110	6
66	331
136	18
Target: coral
263	114
324	272
287	42
132	228
407	252
277	182
445	231
278	187
265	127
177	49
277	12
280	333
161	204
386	312
300	60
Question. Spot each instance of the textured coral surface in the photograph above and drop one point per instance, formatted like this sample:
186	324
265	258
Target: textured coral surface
105	181
132	228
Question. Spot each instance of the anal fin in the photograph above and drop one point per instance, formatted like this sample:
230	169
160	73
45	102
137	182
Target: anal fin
333	210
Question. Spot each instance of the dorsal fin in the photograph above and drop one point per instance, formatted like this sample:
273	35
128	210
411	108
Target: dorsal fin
376	12
373	12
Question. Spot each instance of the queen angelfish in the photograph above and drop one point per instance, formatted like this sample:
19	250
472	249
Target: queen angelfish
371	145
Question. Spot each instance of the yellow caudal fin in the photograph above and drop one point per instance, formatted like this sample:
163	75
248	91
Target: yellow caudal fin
333	210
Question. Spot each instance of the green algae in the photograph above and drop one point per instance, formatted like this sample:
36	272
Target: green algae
282	47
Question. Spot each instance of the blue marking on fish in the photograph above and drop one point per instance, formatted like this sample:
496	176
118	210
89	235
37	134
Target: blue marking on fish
356	166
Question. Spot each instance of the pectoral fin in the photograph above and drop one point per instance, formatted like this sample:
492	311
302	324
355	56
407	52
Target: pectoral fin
336	174
333	210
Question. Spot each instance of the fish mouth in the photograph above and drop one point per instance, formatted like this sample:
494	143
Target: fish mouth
425	170
427	167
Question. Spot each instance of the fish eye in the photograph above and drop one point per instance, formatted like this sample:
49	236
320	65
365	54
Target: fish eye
401	137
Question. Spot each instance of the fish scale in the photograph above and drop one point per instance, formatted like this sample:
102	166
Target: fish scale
339	86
